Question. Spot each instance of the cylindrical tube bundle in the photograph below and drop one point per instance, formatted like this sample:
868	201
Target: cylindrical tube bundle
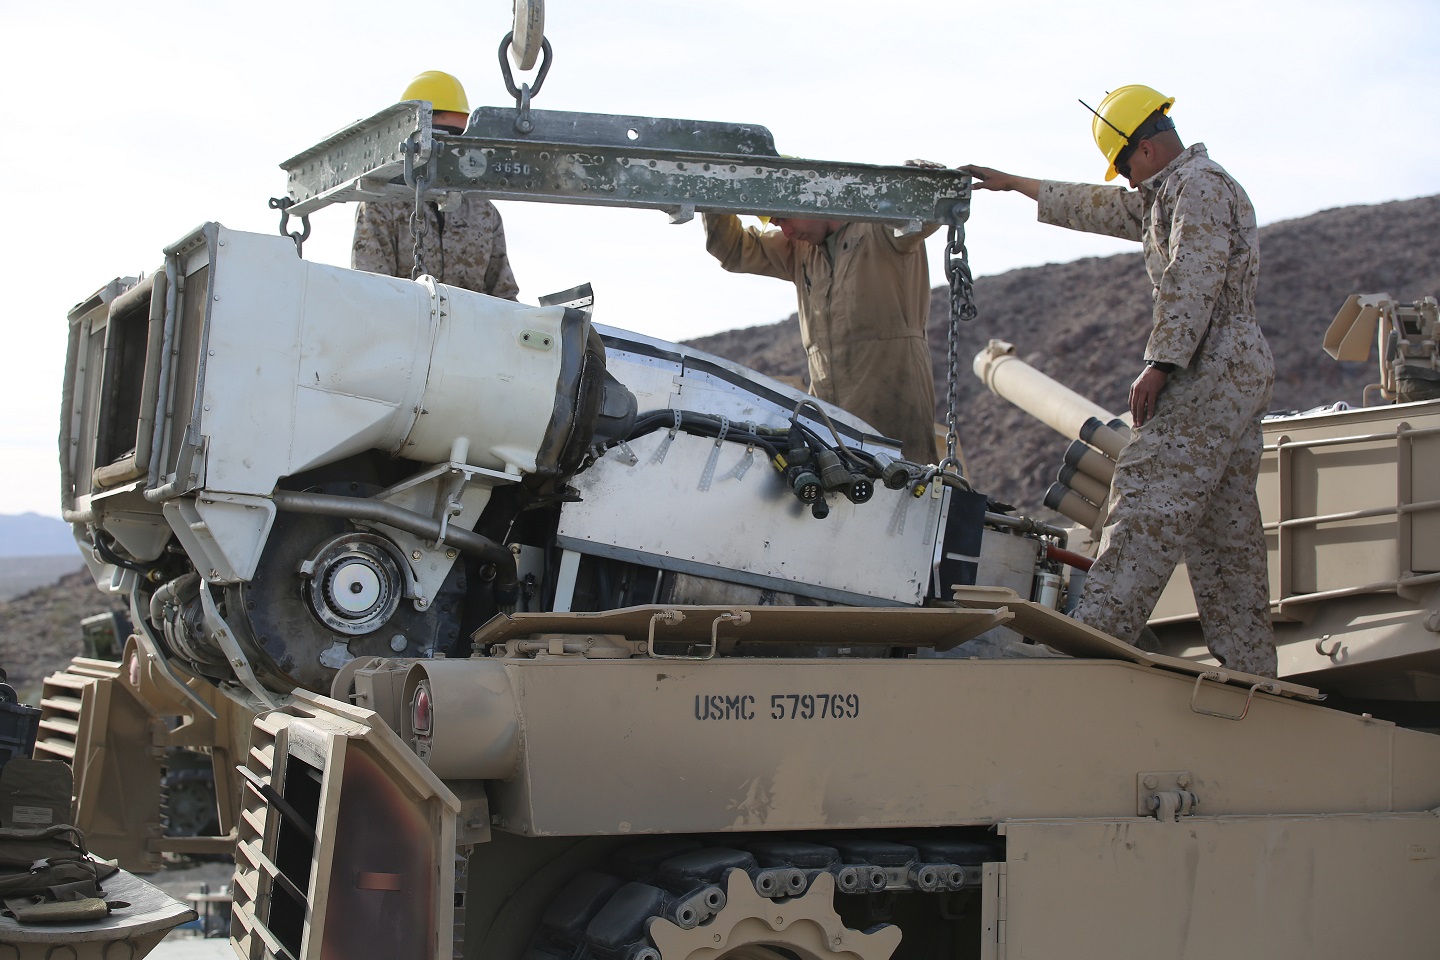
1109	440
1084	484
1090	462
1067	502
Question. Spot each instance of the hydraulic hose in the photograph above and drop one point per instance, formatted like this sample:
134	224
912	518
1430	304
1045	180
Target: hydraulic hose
1068	557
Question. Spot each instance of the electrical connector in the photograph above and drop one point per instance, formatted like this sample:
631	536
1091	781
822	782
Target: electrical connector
860	489
893	473
832	472
804	484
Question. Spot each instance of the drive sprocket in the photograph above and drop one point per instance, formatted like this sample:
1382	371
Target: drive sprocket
750	924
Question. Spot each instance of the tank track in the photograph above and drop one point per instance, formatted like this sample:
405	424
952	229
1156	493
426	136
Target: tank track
663	898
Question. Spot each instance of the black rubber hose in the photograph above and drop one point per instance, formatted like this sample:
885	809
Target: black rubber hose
698	425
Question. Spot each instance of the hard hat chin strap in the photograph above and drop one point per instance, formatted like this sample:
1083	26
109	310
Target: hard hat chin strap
1157	122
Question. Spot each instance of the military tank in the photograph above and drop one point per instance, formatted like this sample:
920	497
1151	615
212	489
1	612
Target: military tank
517	636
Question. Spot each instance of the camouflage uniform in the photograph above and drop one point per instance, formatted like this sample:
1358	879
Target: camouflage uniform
1185	484
463	246
862	318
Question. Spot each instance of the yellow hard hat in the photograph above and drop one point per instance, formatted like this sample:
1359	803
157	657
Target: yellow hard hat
442	90
1120	115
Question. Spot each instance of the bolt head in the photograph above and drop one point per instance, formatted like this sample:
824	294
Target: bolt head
1150	783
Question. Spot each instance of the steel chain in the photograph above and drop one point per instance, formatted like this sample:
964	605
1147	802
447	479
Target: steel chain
962	307
419	226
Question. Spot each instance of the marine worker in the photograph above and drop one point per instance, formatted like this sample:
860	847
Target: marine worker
1184	485
462	242
864	297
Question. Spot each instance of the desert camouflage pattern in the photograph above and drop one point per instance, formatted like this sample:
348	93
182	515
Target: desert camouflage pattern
862	318
1184	486
464	245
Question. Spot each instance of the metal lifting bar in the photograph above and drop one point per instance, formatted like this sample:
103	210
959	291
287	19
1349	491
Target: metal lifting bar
679	166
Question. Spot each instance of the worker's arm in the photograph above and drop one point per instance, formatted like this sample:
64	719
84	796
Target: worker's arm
747	250
1110	211
499	279
988	178
373	248
1201	235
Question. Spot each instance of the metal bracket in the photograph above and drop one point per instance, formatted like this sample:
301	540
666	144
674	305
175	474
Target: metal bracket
156	652
1166	785
675	617
225	637
1217	676
375	147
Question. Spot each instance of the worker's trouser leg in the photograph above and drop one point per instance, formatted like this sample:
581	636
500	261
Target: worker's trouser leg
1162	511
1229	570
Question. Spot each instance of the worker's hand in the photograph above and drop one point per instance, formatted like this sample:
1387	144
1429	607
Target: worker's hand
1145	394
926	164
987	178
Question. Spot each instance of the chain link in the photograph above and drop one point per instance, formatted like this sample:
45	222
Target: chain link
418	175
524	123
419	226
962	308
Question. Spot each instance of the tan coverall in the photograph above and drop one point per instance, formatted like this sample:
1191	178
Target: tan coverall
464	246
862	318
1185	483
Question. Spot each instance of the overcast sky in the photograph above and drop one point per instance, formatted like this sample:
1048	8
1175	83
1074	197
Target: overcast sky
128	124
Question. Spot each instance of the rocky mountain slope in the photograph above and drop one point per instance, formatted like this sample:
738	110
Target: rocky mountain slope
40	630
1085	324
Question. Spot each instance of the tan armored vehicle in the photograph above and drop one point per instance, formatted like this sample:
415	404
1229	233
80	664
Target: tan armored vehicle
514	636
